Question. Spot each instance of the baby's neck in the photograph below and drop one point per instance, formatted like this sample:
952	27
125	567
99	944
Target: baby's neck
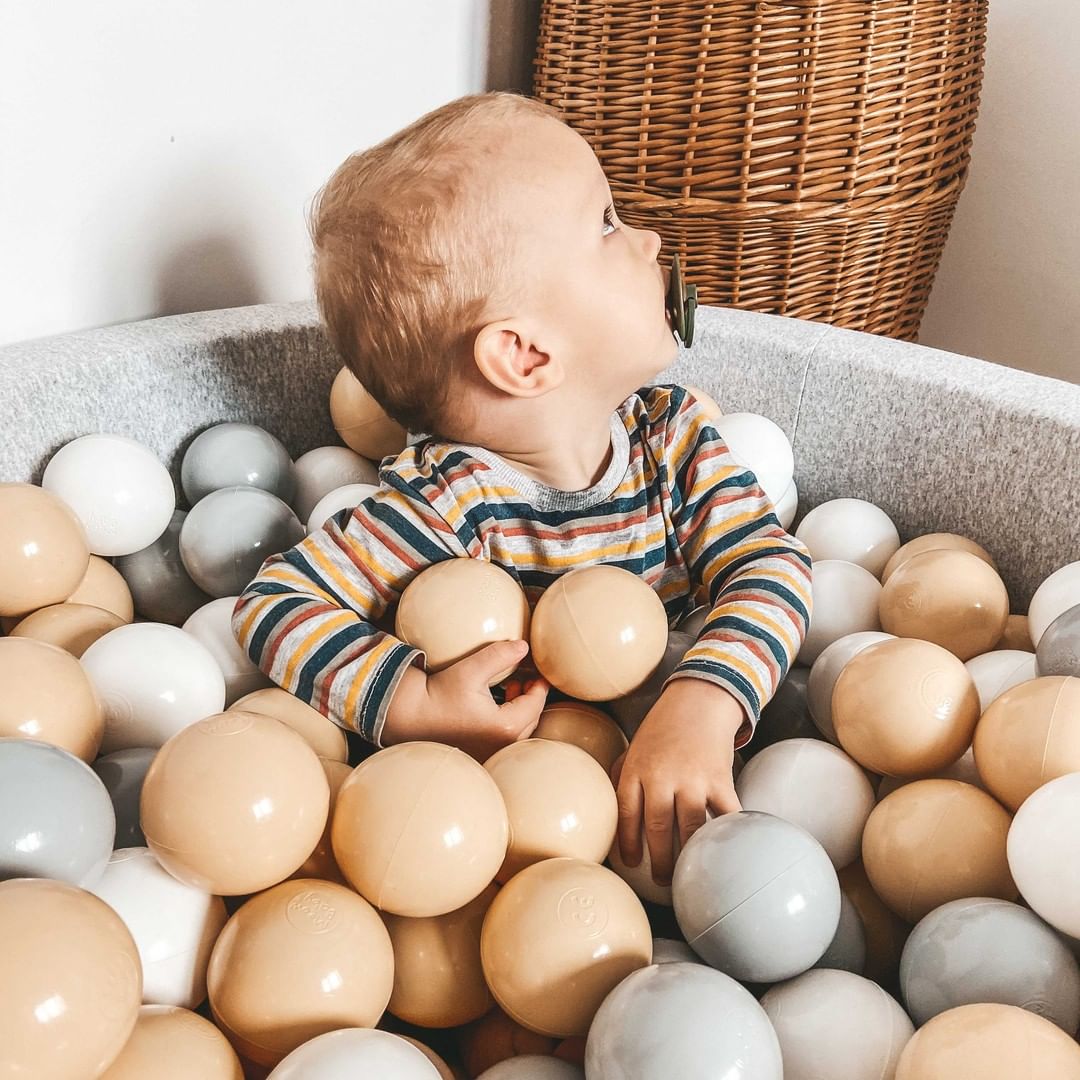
568	449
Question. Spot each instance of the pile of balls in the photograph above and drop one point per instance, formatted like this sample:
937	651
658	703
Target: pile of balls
200	875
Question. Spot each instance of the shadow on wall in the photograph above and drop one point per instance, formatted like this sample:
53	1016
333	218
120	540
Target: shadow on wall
206	273
513	27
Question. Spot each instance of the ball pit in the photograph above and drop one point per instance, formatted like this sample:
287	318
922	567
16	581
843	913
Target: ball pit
63	596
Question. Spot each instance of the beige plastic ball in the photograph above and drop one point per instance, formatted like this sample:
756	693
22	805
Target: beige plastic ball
584	726
557	939
438	978
103	586
322	734
300	959
1017	635
71	984
934	542
933	841
45	694
170	1043
884	930
444	1070
321	863
494	1038
559	801
989	1042
598	632
1029	736
952	598
905	707
43	549
457	606
71	627
234	803
360	420
420	829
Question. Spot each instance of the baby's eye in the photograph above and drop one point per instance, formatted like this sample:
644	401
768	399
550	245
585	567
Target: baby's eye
609	217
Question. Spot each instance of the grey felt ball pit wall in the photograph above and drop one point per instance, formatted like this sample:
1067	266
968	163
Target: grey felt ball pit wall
941	442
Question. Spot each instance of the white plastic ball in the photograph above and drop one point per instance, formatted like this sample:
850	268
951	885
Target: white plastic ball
355	1054
212	626
851	530
963	769
1044	852
341	498
1059	592
788	506
838	1025
174	925
845	601
761	445
826	670
117	487
326	468
814	785
153	680
995	672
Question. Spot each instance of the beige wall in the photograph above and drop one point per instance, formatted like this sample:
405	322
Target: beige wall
1008	288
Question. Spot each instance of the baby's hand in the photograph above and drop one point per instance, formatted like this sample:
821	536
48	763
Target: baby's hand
679	762
464	711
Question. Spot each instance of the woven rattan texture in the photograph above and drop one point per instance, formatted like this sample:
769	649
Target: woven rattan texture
803	158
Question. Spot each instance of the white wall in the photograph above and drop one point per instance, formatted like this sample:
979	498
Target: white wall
1008	288
158	157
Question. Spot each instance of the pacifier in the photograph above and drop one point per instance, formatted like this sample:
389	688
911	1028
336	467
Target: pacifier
681	304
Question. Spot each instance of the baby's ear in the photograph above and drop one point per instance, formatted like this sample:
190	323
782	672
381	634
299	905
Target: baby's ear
512	363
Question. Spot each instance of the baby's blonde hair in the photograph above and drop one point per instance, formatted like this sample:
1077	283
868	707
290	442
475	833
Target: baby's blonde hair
410	247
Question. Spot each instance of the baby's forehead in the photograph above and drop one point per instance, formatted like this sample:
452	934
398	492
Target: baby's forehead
548	151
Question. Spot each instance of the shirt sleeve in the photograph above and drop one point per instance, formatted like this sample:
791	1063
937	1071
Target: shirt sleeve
757	575
308	619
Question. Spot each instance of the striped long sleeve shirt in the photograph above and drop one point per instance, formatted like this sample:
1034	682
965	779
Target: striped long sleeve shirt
674	507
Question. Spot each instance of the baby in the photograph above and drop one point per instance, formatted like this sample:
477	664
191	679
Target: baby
475	277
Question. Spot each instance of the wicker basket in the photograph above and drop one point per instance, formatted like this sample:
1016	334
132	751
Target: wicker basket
804	158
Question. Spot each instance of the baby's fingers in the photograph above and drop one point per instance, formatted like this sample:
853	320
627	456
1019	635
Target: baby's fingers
723	800
660	833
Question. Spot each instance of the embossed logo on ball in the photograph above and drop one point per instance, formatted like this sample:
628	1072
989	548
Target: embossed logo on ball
579	910
311	914
226	723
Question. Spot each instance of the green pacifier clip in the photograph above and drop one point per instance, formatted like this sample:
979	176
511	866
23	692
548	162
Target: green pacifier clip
682	303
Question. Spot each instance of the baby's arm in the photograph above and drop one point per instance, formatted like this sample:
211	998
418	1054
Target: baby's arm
308	621
758	577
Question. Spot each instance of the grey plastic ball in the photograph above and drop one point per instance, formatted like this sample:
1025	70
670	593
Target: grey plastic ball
847	950
694	622
987	950
787	715
230	533
123	773
1058	652
56	818
681	1020
631	710
834	1025
756	897
230	454
671	951
161	589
